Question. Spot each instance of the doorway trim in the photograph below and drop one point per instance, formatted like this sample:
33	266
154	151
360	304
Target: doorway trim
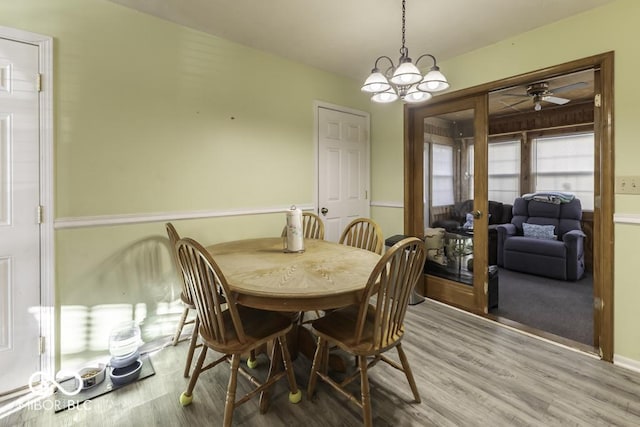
47	256
603	251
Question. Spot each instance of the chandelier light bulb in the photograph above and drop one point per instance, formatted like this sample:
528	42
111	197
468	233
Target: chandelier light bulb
385	97
434	81
414	95
406	74
376	82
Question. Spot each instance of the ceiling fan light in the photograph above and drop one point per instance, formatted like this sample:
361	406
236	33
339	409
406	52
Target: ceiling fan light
385	97
406	74
414	95
434	81
376	82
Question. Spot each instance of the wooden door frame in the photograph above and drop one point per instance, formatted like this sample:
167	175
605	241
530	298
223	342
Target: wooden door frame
47	258
603	245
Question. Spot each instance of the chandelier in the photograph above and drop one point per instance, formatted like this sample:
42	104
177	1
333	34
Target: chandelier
404	81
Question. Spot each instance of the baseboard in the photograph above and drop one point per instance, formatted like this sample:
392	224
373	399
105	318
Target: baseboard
625	362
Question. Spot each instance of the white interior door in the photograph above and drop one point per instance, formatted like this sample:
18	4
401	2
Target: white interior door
343	169
19	219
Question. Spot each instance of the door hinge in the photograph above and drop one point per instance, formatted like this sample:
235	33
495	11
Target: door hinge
597	100
40	214
41	345
38	82
366	194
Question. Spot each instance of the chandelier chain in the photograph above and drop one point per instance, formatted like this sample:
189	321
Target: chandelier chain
403	49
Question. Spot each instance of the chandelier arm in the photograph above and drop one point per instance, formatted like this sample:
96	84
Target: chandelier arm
375	66
433	58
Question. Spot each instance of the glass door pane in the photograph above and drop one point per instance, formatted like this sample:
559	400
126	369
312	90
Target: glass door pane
454	202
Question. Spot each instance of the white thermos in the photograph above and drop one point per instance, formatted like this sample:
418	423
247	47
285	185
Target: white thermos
294	240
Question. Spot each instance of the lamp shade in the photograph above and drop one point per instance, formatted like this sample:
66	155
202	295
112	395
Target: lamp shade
376	82
414	95
433	81
386	96
406	74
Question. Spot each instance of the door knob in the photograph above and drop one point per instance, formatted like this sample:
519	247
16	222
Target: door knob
324	211
477	214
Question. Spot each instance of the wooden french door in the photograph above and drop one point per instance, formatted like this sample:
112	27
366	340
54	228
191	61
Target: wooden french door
603	224
446	198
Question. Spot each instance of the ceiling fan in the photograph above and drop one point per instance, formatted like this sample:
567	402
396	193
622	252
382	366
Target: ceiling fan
540	91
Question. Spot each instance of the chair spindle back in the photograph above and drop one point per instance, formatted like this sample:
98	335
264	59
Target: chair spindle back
213	301
392	282
363	233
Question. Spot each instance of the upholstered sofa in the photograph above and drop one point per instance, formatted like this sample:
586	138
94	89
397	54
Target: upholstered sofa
499	213
543	238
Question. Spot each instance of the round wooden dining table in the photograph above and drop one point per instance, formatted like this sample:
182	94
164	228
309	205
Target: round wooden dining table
262	275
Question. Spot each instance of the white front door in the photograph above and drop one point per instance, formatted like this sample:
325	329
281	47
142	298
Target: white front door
19	219
343	169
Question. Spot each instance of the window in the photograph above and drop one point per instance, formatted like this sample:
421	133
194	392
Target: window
565	163
504	171
442	184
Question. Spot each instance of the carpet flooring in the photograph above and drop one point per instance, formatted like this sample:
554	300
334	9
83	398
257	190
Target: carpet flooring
560	307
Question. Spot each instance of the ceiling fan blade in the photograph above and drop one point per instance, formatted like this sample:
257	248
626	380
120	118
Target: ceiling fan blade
516	94
569	87
555	100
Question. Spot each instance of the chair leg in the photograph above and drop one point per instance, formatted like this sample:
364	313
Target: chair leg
183	318
192	347
187	396
326	355
230	402
408	373
364	392
276	358
252	362
315	367
295	395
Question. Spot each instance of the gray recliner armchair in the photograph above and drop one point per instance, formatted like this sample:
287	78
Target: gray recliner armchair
543	238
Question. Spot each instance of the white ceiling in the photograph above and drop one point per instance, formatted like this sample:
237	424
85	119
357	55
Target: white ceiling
346	36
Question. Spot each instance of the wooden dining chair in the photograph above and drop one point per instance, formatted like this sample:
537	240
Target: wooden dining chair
374	326
232	330
363	233
312	226
187	301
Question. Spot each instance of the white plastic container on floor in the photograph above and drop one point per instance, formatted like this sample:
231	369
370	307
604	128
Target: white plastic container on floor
124	339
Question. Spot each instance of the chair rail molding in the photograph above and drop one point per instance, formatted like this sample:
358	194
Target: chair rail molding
140	218
386	204
626	218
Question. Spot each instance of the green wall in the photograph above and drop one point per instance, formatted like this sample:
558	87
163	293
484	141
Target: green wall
153	117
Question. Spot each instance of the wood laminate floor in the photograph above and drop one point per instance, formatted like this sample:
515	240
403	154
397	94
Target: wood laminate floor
470	372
